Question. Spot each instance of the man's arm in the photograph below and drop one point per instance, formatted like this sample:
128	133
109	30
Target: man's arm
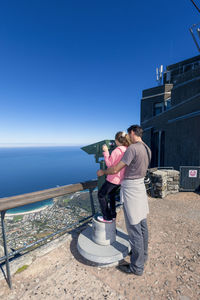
112	170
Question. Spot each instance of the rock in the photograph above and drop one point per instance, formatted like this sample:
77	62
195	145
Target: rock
184	297
166	283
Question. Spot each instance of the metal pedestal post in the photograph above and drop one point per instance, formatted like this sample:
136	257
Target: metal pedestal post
92	201
101	179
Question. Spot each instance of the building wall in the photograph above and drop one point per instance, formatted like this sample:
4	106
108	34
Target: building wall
181	125
182	143
150	97
187	86
161	121
177	129
147	136
175	71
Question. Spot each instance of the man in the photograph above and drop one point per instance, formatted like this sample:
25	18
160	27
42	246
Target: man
133	193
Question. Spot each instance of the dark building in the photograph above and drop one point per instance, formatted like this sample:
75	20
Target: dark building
170	116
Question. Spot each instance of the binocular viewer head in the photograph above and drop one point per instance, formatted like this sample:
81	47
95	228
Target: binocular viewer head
96	148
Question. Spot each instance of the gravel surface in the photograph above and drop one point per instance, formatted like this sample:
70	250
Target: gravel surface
172	271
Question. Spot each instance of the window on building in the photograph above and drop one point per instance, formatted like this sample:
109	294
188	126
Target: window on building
181	69
187	68
196	64
158	108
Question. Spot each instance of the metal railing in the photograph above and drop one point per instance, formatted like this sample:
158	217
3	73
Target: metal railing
24	199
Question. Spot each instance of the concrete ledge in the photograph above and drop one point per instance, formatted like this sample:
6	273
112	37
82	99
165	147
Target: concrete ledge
28	258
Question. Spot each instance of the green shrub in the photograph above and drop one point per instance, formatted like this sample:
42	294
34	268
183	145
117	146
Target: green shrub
17	218
24	267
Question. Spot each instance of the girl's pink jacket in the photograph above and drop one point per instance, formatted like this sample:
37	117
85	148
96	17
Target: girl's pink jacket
112	160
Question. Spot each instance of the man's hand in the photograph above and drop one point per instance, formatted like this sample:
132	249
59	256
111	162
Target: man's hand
105	148
100	173
111	170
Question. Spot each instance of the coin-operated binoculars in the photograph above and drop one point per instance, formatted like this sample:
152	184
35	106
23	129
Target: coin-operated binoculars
96	149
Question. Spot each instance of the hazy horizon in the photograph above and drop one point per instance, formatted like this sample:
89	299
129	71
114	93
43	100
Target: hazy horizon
24	145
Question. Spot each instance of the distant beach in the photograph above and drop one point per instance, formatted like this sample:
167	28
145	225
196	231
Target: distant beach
9	215
41	208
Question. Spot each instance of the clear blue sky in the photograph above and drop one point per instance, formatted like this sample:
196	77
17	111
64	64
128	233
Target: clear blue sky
72	72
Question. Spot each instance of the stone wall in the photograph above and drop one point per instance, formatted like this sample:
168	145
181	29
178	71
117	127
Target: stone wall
164	182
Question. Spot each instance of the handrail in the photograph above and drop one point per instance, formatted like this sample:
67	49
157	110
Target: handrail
19	200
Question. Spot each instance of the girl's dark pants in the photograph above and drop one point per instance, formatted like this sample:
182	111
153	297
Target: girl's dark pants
108	189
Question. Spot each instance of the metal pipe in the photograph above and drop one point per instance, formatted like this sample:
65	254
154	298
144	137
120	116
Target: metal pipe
198	32
191	31
195	5
8	279
92	201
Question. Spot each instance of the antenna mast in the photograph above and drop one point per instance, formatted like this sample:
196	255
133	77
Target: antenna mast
197	29
195	5
159	75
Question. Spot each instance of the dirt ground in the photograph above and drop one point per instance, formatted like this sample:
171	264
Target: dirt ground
172	271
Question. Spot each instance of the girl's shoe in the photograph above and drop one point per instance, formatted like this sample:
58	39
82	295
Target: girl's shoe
101	219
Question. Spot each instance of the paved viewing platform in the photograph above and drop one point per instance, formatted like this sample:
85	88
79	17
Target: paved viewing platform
57	270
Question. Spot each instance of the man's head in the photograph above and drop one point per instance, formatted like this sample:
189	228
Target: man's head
135	133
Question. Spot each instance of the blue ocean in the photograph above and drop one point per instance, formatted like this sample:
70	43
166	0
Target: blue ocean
25	170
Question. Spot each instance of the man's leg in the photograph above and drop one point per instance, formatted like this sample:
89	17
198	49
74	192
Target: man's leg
145	234
137	246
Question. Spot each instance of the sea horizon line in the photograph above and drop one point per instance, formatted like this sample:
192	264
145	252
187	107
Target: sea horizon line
27	145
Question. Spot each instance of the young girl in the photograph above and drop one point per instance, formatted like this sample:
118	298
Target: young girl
112	182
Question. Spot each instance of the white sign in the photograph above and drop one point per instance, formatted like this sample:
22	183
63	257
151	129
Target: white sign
193	173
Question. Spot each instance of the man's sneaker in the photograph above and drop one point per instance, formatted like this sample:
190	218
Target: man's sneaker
101	219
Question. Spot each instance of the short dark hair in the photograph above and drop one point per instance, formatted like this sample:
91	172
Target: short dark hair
137	129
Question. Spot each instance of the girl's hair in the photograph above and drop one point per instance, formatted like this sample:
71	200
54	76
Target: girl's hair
123	138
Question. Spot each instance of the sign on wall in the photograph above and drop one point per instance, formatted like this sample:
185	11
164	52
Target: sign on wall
193	173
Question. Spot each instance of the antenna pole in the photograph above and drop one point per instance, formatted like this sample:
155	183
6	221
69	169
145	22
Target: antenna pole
196	43
195	5
198	32
159	74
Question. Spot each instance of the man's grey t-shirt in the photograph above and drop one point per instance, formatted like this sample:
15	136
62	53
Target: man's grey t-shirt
137	160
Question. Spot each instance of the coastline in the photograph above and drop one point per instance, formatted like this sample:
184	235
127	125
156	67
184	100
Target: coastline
54	200
9	215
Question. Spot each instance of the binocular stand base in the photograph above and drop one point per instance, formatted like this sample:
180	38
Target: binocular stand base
103	243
